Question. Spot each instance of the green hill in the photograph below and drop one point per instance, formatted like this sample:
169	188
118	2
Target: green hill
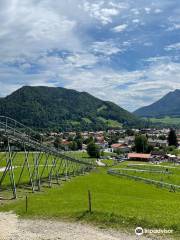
169	105
63	109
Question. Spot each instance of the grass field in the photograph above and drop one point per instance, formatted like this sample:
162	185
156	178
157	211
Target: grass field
116	202
108	162
166	120
79	154
111	123
154	172
18	161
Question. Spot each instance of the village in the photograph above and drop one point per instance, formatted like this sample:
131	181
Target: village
122	142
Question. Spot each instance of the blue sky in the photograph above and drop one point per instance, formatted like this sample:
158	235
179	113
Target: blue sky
127	52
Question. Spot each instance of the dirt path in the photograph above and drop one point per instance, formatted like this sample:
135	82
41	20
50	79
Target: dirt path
13	228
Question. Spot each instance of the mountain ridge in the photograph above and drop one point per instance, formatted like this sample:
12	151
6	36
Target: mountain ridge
63	109
168	105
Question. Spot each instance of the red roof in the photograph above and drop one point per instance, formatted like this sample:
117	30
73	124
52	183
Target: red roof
118	145
65	142
139	155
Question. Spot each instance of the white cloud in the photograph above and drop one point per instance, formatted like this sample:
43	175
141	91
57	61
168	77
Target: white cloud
147	10
129	89
172	47
82	60
120	28
174	26
104	11
106	48
28	28
34	33
161	59
158	11
135	20
100	12
119	5
135	11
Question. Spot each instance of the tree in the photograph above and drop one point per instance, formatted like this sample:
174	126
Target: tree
150	148
93	150
141	144
58	142
162	137
70	138
172	138
37	137
79	141
73	146
88	140
118	151
130	132
102	153
113	139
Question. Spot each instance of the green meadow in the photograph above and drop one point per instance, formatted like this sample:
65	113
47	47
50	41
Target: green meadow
166	120
18	161
165	173
116	202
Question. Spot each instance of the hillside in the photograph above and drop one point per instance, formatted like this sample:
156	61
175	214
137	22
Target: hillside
63	109
169	105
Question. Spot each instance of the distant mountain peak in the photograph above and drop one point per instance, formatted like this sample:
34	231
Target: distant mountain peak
168	105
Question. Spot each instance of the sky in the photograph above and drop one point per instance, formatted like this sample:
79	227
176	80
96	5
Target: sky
124	51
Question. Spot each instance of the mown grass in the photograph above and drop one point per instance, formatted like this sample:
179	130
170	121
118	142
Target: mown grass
172	176
166	120
108	162
18	162
111	123
116	202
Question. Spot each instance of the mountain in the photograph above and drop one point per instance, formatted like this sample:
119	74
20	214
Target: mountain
63	109
169	105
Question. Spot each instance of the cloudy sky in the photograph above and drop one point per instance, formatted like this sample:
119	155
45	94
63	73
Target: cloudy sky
125	51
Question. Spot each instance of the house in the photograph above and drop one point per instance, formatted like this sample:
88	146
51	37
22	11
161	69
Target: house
129	140
84	146
157	142
178	139
120	146
172	158
139	157
158	155
65	144
121	140
100	141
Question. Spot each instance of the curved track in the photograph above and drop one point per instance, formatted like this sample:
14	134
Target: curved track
38	161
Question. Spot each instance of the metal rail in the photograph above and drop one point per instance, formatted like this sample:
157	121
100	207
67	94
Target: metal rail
172	187
39	162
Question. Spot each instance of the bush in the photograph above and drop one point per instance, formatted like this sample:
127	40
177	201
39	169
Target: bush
93	150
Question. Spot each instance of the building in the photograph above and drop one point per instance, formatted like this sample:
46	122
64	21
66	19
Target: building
120	146
157	142
139	157
65	144
129	140
158	155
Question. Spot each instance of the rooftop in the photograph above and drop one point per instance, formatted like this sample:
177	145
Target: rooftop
139	155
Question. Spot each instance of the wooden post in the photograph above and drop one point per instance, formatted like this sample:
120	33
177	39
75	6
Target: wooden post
89	201
26	204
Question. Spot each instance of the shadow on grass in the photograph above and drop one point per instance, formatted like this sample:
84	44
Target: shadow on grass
83	215
104	219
